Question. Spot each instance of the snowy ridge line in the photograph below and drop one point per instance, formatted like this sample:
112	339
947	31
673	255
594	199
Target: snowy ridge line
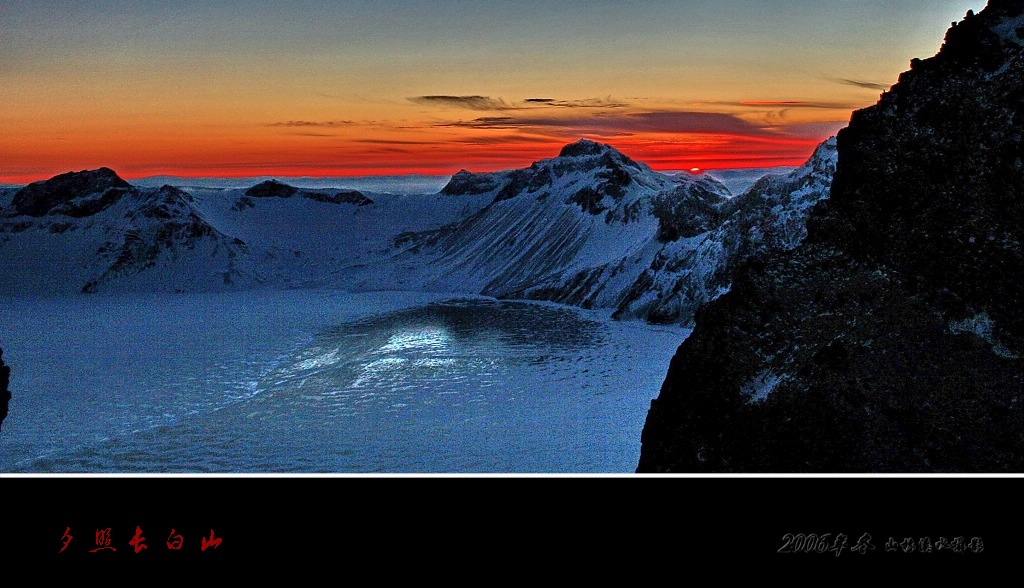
589	228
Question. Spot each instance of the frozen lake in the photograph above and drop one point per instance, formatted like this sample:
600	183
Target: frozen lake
324	381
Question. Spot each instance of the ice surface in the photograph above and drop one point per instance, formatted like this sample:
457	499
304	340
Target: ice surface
324	381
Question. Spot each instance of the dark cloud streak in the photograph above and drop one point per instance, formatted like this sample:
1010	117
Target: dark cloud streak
585	103
311	123
623	124
861	84
469	102
487	103
795	104
391	142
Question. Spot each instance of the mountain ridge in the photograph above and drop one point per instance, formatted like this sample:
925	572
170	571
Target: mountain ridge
645	244
589	227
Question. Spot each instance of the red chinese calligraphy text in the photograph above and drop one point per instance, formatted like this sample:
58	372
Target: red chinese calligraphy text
212	542
102	540
174	541
137	540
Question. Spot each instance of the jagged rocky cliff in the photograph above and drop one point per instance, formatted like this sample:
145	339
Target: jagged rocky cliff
891	339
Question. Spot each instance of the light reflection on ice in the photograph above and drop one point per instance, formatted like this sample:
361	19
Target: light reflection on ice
426	337
324	360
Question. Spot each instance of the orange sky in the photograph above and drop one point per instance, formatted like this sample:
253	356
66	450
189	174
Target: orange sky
360	88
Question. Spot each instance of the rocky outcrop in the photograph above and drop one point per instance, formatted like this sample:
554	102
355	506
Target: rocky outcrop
465	182
75	194
890	339
162	225
275	189
5	394
271	189
339	197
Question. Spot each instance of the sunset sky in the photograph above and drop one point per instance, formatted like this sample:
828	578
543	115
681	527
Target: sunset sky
393	87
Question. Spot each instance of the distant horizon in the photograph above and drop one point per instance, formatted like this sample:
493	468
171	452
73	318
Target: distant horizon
243	87
256	174
240	174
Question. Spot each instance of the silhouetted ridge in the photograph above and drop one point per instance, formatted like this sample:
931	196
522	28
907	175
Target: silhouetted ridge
465	182
271	189
39	198
584	147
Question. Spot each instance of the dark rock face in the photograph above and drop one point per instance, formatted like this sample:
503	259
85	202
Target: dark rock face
518	181
5	394
891	339
275	189
696	211
271	189
75	194
341	197
582	148
613	179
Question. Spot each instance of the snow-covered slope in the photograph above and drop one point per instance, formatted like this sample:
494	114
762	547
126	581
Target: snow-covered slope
327	237
545	225
91	231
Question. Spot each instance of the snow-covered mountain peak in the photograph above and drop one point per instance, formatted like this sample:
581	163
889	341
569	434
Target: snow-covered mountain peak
586	155
593	176
166	202
79	193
